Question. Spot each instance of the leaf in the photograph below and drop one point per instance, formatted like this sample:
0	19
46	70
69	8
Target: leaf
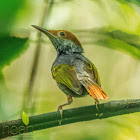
131	39
121	46
2	81
1	76
25	118
121	41
8	11
11	48
137	2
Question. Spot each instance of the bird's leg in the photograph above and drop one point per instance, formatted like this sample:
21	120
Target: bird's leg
70	100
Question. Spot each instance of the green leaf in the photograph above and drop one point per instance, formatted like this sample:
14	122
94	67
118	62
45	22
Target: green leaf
121	41
25	118
137	2
8	11
10	48
1	76
118	40
131	39
2	82
121	46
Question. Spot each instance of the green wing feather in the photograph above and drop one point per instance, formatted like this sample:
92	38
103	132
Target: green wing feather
67	75
97	78
92	71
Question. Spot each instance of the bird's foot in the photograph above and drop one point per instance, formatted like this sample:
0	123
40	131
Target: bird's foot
96	104
61	114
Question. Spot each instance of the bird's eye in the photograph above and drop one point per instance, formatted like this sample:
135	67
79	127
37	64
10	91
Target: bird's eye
62	33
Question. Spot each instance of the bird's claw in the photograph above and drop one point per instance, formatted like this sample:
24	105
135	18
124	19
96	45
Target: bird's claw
96	104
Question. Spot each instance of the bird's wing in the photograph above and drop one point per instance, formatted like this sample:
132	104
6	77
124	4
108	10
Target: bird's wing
89	78
67	75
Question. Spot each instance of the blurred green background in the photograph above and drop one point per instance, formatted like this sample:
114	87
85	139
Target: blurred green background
109	31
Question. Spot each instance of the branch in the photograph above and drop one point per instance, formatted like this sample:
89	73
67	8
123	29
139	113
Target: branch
86	113
28	92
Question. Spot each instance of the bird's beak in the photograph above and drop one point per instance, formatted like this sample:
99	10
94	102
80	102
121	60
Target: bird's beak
53	38
47	32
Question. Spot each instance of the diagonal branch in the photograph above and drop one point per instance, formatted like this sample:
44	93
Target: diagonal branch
86	113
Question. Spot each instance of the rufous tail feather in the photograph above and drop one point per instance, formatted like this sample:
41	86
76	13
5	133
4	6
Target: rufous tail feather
94	89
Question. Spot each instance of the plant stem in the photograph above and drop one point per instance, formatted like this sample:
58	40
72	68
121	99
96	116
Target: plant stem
86	113
29	90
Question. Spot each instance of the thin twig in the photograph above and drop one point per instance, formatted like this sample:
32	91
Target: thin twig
86	113
28	92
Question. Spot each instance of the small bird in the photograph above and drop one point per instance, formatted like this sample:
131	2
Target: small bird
74	74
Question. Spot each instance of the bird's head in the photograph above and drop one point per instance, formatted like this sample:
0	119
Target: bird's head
63	41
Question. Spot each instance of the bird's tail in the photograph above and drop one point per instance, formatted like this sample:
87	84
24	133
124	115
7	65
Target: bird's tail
94	89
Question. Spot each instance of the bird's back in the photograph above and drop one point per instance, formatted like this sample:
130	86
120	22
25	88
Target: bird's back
80	63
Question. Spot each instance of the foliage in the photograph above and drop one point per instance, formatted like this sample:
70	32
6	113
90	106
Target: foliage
25	118
121	41
11	48
112	24
8	11
137	2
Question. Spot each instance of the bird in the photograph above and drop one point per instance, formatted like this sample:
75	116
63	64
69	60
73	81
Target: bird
74	74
